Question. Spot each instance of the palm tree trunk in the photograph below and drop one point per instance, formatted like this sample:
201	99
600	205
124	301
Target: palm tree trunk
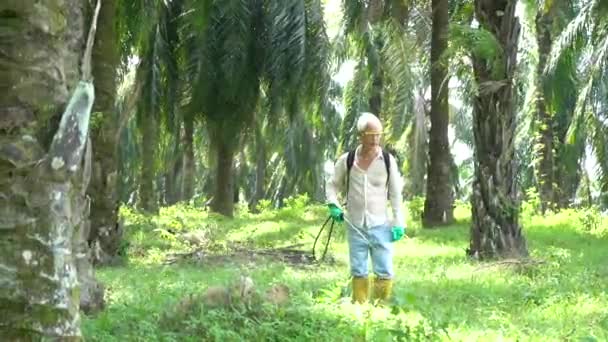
495	230
42	179
375	100
545	147
567	183
439	201
373	51
584	191
188	168
260	170
568	162
223	201
147	192
105	232
173	175
418	145
400	11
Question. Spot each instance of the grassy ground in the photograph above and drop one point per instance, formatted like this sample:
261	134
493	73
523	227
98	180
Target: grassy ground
439	294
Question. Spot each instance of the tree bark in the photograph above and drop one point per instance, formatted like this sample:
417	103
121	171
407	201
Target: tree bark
495	229
373	57
418	145
106	232
223	201
260	170
174	172
43	207
374	10
400	11
439	201
545	172
567	166
188	160
375	101
147	192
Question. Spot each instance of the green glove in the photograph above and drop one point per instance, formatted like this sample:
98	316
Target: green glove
397	233
336	213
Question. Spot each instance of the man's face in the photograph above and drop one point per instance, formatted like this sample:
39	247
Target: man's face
371	136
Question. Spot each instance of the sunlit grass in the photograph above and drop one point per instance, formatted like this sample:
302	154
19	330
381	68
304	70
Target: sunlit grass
439	293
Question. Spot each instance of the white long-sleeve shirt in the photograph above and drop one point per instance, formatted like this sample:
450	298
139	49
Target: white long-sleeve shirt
367	203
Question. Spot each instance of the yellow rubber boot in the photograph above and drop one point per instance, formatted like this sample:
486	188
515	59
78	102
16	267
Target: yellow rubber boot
382	289
360	289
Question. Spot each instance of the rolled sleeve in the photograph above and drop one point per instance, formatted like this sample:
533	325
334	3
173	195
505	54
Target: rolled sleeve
335	182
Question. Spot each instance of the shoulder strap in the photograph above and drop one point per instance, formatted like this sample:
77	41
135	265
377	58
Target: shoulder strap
350	160
387	163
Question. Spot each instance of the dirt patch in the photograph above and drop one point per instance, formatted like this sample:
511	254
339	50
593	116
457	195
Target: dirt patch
294	255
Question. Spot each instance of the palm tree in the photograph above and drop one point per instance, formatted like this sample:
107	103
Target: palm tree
439	201
253	46
43	178
549	104
105	230
585	41
495	230
157	107
545	171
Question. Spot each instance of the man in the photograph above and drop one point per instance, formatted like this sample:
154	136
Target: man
370	231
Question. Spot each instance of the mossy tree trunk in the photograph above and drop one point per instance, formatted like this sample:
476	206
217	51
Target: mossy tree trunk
43	179
106	232
495	229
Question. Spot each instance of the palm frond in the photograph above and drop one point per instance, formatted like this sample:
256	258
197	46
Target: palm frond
479	42
286	51
354	15
355	102
461	120
226	65
599	145
401	82
135	22
575	33
316	79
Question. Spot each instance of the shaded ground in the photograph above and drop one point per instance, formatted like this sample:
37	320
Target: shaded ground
299	255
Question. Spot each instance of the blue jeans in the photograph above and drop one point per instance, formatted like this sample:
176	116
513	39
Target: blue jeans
375	241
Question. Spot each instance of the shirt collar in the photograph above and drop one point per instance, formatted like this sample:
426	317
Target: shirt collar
358	149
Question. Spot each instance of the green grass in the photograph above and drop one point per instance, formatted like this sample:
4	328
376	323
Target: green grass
439	294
